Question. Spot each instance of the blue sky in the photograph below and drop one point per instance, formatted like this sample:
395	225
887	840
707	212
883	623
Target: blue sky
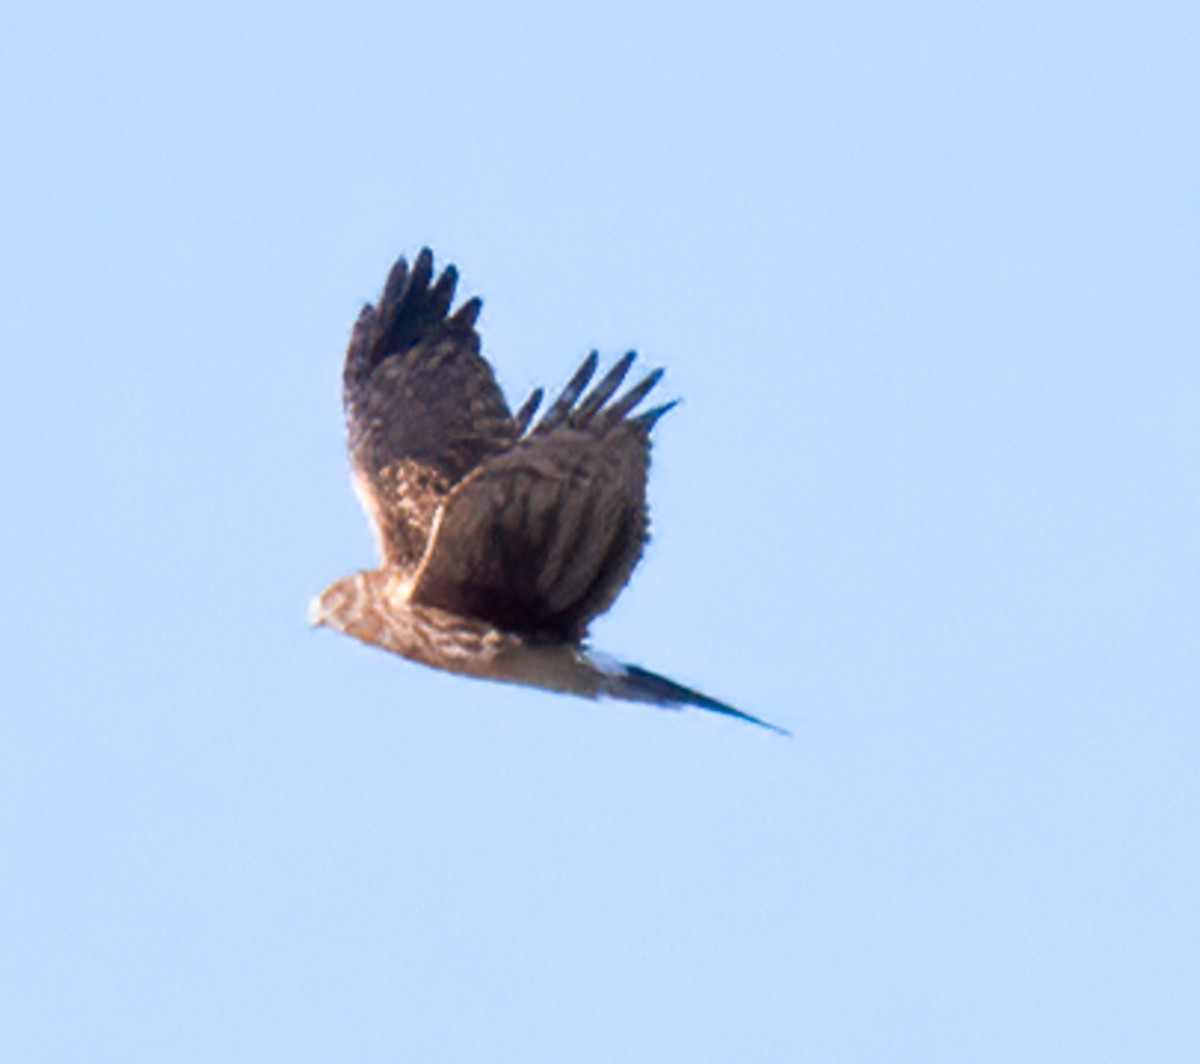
925	278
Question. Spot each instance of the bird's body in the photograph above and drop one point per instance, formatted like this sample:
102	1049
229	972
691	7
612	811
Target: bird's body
376	607
501	537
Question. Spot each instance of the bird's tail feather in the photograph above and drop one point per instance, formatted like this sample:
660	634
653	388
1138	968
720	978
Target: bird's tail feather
634	684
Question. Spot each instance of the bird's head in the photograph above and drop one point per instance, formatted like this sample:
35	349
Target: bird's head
369	606
358	605
340	603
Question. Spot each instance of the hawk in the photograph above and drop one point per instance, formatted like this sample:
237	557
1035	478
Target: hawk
501	537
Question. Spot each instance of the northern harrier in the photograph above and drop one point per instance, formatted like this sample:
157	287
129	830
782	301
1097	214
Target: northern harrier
501	537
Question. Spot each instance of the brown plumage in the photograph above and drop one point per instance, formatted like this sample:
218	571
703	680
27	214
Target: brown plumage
501	537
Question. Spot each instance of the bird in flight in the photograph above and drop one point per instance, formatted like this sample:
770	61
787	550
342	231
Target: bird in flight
501	536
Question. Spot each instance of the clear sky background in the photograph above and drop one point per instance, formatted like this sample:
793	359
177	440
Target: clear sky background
925	275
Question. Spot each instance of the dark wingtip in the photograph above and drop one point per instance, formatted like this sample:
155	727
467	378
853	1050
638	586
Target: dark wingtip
422	272
393	287
409	308
442	293
524	416
595	412
650	418
561	407
466	315
602	392
618	410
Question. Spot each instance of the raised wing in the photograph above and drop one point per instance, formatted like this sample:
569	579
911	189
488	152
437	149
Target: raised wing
542	538
423	407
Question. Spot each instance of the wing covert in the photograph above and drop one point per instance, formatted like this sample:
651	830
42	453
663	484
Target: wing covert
541	539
